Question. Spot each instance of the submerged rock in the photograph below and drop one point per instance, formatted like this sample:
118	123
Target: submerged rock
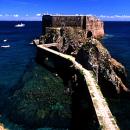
41	102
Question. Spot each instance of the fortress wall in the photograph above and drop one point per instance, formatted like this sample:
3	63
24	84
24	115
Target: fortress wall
88	23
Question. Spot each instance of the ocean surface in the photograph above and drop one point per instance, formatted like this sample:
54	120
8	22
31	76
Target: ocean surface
17	52
117	41
17	64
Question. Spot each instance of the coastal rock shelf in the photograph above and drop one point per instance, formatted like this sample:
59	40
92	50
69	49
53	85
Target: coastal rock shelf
104	115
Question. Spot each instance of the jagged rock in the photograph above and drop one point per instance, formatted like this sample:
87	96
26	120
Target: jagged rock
69	39
109	73
92	55
119	69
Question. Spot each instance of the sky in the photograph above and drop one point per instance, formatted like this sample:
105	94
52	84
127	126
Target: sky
110	10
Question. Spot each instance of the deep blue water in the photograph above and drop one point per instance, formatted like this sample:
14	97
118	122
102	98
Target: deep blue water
117	41
15	59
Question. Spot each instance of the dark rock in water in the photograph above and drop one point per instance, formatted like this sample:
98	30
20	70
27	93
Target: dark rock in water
109	73
41	101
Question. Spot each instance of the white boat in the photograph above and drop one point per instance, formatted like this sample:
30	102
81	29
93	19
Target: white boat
5	46
20	25
5	40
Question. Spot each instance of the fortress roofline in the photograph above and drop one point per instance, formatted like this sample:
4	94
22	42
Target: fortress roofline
84	22
69	15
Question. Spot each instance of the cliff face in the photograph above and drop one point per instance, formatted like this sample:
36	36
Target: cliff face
90	53
68	40
86	23
109	73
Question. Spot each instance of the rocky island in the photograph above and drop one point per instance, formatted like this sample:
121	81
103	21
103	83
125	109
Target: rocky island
77	37
74	35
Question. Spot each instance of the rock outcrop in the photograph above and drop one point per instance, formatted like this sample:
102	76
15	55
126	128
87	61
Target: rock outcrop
109	73
90	53
69	39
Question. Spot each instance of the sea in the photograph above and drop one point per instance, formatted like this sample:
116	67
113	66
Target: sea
16	50
117	41
17	53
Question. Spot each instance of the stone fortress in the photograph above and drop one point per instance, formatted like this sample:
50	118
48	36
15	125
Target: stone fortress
88	23
87	64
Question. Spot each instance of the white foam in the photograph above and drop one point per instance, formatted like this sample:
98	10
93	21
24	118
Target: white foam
31	43
107	36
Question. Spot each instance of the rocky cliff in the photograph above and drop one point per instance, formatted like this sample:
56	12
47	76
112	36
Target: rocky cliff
109	73
90	53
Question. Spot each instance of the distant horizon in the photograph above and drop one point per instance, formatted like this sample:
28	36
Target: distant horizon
41	21
29	10
39	17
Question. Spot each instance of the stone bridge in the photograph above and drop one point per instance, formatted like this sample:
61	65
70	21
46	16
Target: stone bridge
104	116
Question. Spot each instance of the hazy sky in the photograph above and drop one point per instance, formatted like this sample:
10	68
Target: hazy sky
34	9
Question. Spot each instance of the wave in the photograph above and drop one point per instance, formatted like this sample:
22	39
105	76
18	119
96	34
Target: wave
107	36
31	43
